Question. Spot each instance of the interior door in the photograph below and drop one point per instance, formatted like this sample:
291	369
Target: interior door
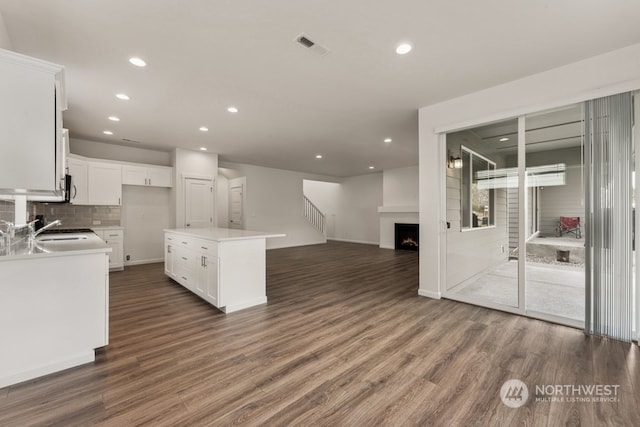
198	203
236	207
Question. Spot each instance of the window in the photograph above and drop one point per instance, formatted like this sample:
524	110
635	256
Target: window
477	200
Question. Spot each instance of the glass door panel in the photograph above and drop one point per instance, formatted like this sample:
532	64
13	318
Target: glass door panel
482	215
555	215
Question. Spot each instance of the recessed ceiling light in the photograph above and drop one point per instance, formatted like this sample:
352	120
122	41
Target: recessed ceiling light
371	167
204	128
114	118
318	156
138	62
107	132
504	139
203	148
388	140
122	96
232	109
403	48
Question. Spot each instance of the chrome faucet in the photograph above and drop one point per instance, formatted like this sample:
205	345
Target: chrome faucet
33	233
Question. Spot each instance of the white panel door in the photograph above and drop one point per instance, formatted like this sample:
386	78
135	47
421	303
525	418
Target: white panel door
236	206
198	203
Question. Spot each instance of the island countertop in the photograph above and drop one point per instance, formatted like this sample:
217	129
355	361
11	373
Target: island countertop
223	234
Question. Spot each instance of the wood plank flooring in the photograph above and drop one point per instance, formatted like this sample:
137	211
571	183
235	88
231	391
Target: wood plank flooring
343	341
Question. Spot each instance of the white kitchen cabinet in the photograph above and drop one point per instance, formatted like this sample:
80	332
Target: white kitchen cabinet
32	147
225	267
114	238
79	171
147	175
105	184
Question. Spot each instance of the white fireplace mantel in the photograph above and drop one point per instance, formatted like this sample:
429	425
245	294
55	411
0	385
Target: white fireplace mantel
389	215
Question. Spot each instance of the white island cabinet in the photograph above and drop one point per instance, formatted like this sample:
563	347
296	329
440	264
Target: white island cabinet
54	307
225	267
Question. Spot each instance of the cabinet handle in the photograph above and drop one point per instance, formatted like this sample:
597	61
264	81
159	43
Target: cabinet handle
149	181
169	238
168	249
204	247
184	258
75	192
113	235
185	243
184	278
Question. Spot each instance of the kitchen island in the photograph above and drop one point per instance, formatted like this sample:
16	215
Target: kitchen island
225	267
54	298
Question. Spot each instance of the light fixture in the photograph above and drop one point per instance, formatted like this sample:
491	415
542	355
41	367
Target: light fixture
138	62
232	109
107	132
371	167
122	96
204	129
114	118
403	48
454	162
203	148
318	156
388	140
503	139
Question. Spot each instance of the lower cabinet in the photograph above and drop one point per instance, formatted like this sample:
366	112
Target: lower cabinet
191	263
114	238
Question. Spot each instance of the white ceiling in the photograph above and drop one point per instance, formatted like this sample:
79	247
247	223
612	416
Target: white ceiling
205	55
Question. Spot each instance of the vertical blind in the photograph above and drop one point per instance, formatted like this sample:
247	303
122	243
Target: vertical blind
609	229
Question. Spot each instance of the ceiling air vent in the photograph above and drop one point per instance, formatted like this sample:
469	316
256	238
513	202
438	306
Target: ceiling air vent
311	46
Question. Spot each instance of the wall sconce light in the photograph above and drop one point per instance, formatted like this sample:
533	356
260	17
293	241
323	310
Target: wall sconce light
454	162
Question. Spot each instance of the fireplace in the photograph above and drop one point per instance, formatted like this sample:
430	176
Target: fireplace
407	236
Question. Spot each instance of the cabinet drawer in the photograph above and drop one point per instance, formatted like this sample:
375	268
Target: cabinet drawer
113	234
207	247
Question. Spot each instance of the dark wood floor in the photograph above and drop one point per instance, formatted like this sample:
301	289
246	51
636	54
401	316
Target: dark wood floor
343	341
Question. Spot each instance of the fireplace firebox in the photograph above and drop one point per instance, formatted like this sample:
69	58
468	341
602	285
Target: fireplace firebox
407	236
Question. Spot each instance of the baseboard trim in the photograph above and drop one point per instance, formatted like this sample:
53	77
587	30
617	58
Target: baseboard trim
244	304
60	365
429	294
362	242
144	261
387	247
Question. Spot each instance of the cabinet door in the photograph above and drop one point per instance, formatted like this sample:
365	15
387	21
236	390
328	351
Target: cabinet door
208	279
169	268
134	175
78	169
159	177
105	184
114	239
201	285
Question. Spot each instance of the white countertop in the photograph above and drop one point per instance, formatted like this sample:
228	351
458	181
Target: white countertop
223	234
20	250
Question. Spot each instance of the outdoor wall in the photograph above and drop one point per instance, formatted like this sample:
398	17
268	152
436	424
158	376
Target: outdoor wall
275	203
560	200
614	72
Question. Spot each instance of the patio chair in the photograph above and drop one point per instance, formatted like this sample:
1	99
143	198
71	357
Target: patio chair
569	224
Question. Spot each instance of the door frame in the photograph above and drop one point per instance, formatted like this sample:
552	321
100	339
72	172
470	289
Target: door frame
243	181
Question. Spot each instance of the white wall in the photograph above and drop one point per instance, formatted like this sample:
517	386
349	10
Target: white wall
400	186
275	203
192	164
5	42
222	201
100	150
145	213
326	197
357	219
614	72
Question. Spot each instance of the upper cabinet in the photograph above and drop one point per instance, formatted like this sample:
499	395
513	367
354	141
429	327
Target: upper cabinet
104	183
31	106
79	171
147	175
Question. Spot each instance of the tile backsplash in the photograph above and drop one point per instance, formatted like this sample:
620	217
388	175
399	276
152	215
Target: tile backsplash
70	215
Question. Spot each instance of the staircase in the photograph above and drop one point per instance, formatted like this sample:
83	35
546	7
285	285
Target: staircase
315	216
